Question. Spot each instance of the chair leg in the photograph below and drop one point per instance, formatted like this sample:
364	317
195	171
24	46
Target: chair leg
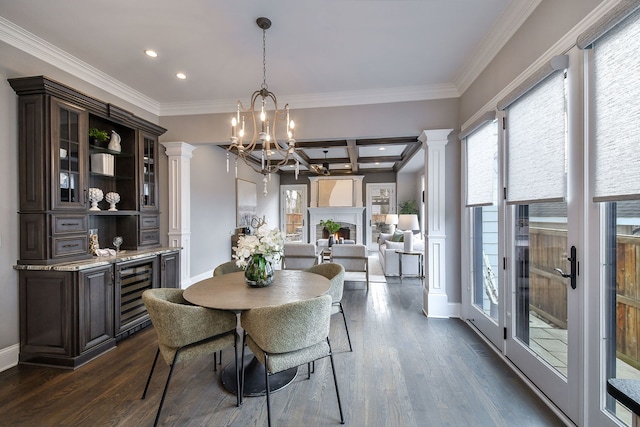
346	328
266	379
220	358
166	386
241	389
335	381
309	370
235	350
215	361
146	387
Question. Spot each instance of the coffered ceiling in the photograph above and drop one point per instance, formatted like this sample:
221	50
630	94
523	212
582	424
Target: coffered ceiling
319	54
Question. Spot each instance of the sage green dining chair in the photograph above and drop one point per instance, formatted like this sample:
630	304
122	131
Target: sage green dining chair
289	335
335	273
187	331
226	268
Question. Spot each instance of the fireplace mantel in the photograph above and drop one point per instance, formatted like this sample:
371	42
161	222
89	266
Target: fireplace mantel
352	215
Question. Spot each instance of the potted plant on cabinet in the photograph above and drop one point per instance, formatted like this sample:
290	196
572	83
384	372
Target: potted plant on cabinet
98	137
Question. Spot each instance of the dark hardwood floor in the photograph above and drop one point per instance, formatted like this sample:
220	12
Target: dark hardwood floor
405	370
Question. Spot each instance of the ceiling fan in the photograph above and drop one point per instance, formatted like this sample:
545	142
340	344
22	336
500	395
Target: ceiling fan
324	168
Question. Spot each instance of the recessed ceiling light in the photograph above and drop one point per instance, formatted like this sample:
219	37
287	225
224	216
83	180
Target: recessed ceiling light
151	53
181	76
382	148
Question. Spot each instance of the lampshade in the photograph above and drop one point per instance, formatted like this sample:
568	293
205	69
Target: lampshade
391	219
408	222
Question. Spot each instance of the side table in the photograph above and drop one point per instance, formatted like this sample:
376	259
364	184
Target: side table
420	256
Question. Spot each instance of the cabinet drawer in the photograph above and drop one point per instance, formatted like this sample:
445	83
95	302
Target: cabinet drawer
149	221
66	246
150	237
69	224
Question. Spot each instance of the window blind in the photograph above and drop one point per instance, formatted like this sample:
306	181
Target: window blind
482	165
536	144
616	66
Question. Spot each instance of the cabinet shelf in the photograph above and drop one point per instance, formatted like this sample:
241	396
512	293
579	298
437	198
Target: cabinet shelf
115	213
118	177
95	149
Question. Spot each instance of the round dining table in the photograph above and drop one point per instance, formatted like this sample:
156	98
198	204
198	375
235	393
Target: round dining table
230	292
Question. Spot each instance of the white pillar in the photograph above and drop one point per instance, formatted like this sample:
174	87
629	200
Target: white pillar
435	301
180	154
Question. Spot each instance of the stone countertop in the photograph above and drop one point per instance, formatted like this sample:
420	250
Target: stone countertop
94	262
626	392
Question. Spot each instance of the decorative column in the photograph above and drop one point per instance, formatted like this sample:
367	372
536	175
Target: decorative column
180	154
434	296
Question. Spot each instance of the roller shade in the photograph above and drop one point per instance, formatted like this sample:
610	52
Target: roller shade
603	25
536	144
482	165
616	62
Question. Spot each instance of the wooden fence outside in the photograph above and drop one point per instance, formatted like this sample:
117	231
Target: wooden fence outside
628	299
548	290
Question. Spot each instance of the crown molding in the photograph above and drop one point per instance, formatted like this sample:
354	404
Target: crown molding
319	100
33	45
505	27
561	47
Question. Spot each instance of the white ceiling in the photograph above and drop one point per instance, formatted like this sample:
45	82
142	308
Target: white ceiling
319	53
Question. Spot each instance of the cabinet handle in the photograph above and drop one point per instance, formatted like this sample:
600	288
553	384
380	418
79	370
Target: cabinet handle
70	246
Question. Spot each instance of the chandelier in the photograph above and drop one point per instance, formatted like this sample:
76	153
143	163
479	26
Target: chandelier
253	129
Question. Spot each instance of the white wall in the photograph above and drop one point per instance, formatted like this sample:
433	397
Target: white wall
8	220
213	211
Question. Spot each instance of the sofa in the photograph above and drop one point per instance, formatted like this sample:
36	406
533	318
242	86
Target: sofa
390	259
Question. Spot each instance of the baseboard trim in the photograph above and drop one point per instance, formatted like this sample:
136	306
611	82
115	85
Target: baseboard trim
195	279
9	357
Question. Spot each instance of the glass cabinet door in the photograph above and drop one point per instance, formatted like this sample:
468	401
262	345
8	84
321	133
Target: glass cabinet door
148	157
69	145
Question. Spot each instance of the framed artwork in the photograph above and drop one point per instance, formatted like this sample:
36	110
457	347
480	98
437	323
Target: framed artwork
246	202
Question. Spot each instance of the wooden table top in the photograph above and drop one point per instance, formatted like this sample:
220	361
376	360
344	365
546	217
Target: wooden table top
230	292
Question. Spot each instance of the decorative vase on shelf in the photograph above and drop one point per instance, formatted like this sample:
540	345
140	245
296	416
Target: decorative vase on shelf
259	272
95	195
112	198
114	142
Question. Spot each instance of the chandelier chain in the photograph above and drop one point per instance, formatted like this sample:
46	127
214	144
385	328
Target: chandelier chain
264	60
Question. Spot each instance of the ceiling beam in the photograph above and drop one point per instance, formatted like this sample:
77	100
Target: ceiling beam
353	154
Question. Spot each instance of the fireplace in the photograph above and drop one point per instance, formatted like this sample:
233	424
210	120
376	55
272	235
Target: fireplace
349	218
345	232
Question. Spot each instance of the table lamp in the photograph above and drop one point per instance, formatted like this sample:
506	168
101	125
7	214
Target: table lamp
408	223
391	220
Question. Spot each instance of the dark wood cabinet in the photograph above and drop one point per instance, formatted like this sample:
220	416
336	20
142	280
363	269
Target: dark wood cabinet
71	313
74	306
66	318
170	270
58	164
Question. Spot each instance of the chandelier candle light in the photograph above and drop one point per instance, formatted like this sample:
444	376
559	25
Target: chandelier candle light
264	127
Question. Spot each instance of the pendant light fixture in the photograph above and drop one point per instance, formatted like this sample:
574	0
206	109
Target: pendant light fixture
254	129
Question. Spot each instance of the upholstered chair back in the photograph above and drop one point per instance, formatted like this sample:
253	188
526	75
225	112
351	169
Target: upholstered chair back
335	273
226	268
178	323
289	327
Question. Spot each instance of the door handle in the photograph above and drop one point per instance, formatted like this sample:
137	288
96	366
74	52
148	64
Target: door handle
574	268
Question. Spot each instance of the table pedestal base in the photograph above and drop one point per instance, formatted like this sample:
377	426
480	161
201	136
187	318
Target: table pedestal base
254	378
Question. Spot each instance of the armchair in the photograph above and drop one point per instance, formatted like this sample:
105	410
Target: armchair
298	256
352	258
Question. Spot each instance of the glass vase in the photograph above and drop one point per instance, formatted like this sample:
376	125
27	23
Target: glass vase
259	272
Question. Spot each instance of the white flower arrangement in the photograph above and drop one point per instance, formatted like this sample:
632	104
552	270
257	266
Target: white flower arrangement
267	242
